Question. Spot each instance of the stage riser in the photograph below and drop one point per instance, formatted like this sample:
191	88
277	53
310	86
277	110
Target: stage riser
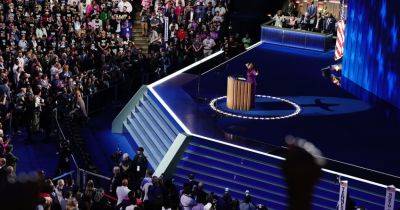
220	166
149	127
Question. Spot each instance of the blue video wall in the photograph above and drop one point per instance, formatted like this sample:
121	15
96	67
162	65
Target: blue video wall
372	47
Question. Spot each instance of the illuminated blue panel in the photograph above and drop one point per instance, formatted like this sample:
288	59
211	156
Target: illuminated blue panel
372	47
296	38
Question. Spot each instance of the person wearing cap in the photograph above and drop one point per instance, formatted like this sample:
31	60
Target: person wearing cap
140	163
225	202
246	204
191	181
187	200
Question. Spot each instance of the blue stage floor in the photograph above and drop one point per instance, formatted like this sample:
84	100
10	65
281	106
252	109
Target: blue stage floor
345	127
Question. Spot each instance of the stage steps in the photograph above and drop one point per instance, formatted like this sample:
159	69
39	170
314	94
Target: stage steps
149	127
219	166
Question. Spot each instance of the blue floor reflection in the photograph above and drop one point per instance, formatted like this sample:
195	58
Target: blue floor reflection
347	125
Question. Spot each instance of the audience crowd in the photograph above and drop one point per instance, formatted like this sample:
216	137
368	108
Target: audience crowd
312	20
133	186
53	53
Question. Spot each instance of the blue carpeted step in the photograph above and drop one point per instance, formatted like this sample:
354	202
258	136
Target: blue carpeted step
160	112
152	136
151	148
329	187
135	138
153	124
243	154
243	175
233	184
218	164
219	190
235	158
146	105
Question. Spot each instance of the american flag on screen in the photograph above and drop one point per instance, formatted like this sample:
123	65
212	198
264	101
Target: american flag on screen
340	32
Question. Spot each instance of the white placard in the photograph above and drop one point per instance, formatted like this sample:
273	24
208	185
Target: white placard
390	197
166	29
343	195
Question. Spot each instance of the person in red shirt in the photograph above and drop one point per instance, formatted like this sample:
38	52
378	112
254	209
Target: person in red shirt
178	11
181	34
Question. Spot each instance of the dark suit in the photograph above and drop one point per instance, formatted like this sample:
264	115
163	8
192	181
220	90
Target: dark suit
329	25
319	24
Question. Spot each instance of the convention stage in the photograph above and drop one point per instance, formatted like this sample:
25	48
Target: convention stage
349	125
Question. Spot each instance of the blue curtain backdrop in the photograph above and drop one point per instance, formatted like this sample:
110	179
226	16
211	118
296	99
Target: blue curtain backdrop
372	47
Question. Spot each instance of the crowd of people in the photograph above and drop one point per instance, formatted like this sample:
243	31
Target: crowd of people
133	186
312	20
58	51
53	53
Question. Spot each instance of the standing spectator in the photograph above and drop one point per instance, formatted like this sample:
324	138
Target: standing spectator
125	5
329	24
319	23
246	204
312	11
122	193
125	166
208	44
116	180
155	195
139	164
246	40
187	200
279	19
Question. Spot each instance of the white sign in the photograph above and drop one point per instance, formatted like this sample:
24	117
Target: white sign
390	197
343	195
166	29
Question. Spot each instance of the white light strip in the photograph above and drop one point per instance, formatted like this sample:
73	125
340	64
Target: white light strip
185	69
281	158
162	102
186	130
197	63
296	111
237	146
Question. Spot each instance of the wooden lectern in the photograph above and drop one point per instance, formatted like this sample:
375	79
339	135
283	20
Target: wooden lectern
240	95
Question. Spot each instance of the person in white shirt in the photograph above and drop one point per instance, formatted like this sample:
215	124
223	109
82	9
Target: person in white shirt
208	44
187	199
71	2
55	70
122	191
40	32
125	3
221	9
218	18
279	19
213	2
23	44
59	190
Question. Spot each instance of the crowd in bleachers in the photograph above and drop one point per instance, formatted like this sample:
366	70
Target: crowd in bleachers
53	53
315	20
57	51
